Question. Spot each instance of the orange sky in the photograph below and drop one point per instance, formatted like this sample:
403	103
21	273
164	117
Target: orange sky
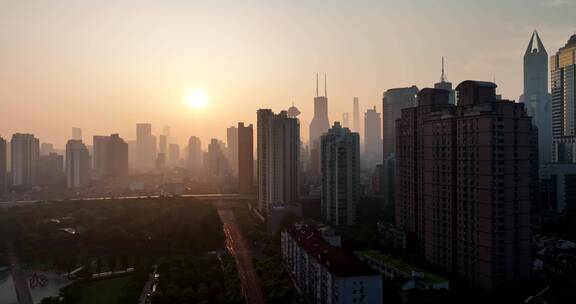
106	65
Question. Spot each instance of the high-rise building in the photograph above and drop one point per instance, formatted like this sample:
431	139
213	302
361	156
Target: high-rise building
163	144
388	179
466	176
372	138
146	148
25	155
444	84
232	149
160	162
3	166
117	162
245	158
173	154
194	155
166	131
100	155
76	133
278	142
346	120
340	155
51	169
563	82
77	164
537	100
293	111
216	163
392	104
356	113
46	148
132	153
8	157
319	125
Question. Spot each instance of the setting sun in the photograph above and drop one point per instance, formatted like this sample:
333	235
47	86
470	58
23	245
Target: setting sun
197	99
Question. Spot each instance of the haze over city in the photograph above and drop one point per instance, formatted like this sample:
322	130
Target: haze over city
106	65
287	152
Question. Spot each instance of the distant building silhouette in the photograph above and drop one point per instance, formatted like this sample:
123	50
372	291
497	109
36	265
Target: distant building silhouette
392	104
51	169
356	113
118	157
444	84
278	142
3	166
388	176
293	111
559	189
216	163
76	133
163	144
372	138
173	155
146	148
110	157
536	97
194	155
160	162
100	147
563	76
132	154
345	120
245	158
232	149
77	164
46	148
25	153
319	125
466	176
340	156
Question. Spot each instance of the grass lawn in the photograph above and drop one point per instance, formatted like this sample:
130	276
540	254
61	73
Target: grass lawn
103	291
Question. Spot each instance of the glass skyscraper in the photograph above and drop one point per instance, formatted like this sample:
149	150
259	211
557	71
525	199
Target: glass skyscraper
563	82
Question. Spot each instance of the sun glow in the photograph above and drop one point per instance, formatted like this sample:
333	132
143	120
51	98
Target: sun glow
197	99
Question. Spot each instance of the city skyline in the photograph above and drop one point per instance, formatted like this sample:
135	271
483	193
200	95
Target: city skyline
110	64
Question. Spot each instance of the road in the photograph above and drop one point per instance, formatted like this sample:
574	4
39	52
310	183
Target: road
238	248
22	291
210	196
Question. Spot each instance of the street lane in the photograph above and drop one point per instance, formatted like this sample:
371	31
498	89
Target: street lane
238	248
21	285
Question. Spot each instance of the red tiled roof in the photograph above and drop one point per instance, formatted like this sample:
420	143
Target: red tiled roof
340	262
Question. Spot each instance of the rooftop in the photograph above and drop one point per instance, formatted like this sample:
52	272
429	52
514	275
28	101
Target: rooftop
340	262
571	42
401	265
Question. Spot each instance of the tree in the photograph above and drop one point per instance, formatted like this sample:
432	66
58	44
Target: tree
51	300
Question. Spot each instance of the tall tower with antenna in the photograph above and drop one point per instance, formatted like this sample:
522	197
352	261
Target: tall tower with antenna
444	84
319	125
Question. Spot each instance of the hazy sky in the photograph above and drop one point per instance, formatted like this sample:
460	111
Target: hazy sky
105	65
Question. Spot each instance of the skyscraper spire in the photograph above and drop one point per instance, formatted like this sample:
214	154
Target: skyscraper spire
325	90
539	47
316	84
443	77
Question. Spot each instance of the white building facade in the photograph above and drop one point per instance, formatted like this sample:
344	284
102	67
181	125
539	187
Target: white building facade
326	273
